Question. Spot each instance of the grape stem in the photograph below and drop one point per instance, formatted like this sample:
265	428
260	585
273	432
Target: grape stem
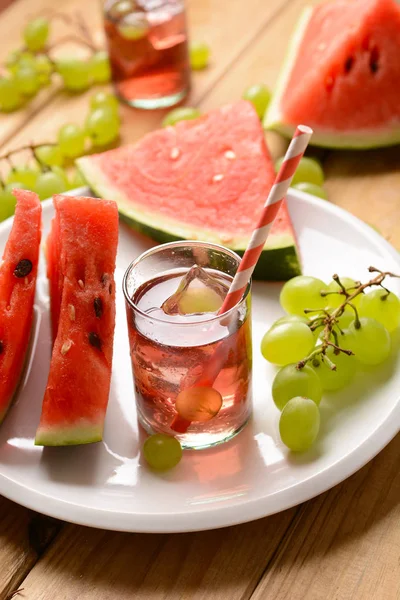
329	320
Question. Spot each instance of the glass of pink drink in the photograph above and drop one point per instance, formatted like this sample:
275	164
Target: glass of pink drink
177	351
148	48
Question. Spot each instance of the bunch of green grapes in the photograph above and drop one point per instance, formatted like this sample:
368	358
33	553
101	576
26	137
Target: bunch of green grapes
31	68
320	343
46	173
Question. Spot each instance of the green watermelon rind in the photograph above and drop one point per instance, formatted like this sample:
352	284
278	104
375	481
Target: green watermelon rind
278	262
63	435
273	119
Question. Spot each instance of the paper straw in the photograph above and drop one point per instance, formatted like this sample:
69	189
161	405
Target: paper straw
271	208
247	265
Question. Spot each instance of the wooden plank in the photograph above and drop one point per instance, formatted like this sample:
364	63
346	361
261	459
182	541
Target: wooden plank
214	565
205	24
367	184
23	538
346	543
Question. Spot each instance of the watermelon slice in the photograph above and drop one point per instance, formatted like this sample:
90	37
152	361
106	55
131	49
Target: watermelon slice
18	273
81	252
342	75
203	179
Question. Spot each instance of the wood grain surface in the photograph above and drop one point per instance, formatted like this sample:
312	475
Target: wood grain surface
343	545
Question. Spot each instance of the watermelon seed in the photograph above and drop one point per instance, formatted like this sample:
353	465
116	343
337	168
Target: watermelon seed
349	64
66	347
71	312
110	288
230	155
94	340
98	307
23	268
1	347
103	279
175	152
218	177
81	284
373	60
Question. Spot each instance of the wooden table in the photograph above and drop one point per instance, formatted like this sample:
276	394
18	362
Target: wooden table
345	543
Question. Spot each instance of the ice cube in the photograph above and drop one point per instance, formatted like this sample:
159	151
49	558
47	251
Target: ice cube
198	292
134	26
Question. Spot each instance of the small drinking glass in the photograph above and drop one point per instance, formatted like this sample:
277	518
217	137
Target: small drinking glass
148	49
174	352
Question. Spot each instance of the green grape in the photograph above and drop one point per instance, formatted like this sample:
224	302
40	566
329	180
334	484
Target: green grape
10	97
36	33
48	184
183	113
290	382
71	140
44	69
102	125
299	424
260	96
347	317
383	307
345	370
75	74
8	200
134	26
100	69
76	180
199	54
302	292
49	155
12	61
336	299
27	81
311	188
370	342
61	173
101	99
287	343
308	171
25	175
26	59
199	300
162	452
291	319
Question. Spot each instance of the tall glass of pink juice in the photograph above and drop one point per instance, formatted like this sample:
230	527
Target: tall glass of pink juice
148	48
177	350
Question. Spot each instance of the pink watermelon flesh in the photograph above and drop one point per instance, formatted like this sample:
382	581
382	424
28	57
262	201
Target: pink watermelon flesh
347	74
18	273
203	179
81	254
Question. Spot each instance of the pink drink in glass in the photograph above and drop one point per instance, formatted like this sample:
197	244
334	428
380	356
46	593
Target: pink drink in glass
173	352
148	48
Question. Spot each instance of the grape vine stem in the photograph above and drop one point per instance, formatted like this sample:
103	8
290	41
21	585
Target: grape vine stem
329	319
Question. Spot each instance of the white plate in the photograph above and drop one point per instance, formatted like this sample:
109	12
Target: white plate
106	485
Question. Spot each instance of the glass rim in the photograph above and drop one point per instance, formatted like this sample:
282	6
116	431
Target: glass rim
176	244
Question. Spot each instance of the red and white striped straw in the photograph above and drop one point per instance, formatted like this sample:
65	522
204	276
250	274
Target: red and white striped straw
272	205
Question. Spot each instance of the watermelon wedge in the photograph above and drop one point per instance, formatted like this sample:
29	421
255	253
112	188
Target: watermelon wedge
18	273
81	252
203	179
342	75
